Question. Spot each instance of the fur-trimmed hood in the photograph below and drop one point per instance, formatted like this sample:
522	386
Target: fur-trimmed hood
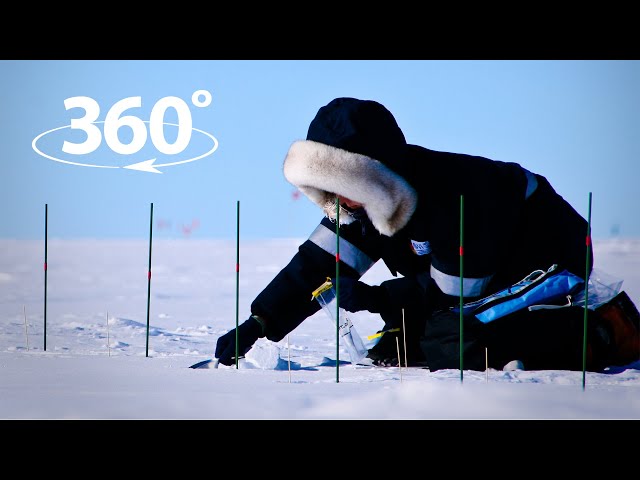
354	149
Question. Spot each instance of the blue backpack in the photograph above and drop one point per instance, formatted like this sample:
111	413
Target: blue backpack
540	289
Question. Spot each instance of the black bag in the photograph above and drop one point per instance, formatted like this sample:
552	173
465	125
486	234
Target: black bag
532	321
544	339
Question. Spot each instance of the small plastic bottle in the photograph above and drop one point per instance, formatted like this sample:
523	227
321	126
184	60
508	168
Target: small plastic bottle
325	294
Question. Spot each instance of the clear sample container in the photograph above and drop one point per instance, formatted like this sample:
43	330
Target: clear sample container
325	294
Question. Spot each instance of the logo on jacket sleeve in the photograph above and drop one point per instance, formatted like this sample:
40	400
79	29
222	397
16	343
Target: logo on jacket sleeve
421	248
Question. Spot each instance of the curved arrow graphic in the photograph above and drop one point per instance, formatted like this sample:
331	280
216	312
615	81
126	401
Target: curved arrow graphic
149	166
40	152
144	166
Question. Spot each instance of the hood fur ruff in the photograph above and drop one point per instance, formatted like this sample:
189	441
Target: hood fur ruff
321	171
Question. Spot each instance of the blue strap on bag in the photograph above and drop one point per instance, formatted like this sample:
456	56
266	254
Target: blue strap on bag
540	289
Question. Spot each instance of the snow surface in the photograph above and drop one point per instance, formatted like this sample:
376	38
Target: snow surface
102	362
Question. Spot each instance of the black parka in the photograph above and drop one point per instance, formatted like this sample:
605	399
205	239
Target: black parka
415	198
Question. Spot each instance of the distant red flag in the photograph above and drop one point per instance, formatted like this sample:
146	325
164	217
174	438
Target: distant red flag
162	224
188	229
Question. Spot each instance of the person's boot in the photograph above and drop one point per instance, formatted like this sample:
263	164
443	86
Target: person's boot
390	349
391	345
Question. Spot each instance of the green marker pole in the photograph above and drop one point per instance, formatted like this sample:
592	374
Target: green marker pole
237	274
337	290
46	221
586	297
149	277
461	286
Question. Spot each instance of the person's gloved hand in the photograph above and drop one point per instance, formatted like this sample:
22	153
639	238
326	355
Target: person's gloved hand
248	333
355	295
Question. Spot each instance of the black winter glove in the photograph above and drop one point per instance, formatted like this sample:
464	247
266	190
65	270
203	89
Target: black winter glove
248	333
355	295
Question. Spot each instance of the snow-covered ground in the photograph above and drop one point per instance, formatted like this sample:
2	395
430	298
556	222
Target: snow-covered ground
102	362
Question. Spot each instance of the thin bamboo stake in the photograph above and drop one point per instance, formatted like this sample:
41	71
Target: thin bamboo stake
399	362
26	331
289	357
586	296
108	342
486	364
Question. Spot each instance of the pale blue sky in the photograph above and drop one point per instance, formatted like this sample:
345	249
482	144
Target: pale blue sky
576	122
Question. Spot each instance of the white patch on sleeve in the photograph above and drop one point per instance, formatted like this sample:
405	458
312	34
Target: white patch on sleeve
421	248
